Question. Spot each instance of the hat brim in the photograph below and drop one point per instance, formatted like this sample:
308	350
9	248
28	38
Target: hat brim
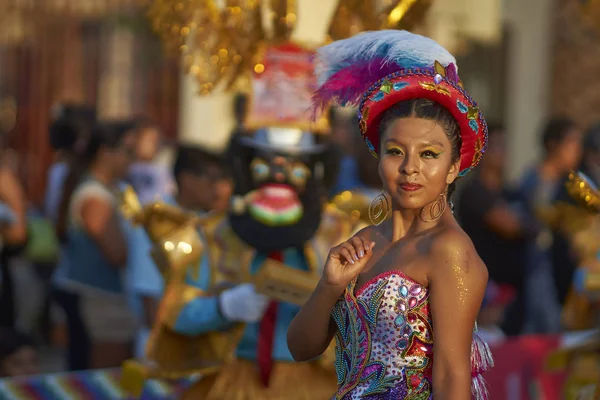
291	150
415	84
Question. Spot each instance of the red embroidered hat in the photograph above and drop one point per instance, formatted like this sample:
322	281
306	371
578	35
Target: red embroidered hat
376	70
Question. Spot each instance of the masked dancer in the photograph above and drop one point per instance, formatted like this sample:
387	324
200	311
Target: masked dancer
260	261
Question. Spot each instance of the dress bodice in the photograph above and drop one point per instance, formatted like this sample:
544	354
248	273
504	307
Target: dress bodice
384	341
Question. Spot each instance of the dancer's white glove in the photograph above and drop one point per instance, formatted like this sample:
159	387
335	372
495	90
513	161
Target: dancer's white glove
242	304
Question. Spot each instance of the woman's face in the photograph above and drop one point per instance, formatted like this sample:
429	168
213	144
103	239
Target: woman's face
415	162
122	156
570	149
148	143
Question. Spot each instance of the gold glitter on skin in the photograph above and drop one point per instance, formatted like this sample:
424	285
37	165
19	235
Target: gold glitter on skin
459	268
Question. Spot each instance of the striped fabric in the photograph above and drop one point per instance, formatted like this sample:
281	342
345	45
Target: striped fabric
85	385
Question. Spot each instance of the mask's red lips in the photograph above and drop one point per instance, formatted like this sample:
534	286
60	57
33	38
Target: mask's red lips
277	191
276	204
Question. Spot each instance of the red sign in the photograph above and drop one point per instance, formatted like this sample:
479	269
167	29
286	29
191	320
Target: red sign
282	88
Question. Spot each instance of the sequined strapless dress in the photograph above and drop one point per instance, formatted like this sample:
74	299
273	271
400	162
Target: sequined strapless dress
385	342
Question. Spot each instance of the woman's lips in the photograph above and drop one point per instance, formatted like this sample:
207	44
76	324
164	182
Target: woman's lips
410	187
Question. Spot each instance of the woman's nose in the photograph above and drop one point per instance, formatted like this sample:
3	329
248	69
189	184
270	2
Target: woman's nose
409	165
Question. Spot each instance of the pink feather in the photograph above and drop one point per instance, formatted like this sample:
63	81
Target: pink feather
347	86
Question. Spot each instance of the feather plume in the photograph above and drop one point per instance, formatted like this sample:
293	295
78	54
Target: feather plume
347	68
347	86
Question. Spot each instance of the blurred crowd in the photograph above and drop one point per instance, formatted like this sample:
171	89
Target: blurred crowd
95	279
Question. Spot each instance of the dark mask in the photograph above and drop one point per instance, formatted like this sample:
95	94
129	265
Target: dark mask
283	192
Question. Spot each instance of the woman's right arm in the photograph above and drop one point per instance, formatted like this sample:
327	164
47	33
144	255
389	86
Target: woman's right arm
313	328
100	221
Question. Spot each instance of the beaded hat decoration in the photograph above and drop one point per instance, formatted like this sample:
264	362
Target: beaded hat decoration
376	70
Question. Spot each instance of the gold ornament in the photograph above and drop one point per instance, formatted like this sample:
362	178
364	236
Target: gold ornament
582	190
223	41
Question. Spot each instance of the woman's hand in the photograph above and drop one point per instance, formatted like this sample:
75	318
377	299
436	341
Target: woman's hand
346	261
313	328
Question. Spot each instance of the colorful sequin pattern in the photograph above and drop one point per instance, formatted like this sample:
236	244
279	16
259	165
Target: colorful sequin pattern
384	344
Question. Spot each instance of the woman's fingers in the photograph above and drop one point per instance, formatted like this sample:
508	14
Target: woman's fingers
346	255
354	249
368	244
357	243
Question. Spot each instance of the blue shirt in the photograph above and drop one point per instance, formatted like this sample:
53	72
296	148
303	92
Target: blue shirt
56	178
143	276
202	315
348	179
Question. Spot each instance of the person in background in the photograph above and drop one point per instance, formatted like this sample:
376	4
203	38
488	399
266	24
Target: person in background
18	354
499	228
68	134
562	147
561	140
203	179
69	128
591	155
150	180
564	260
70	124
94	254
204	184
13	228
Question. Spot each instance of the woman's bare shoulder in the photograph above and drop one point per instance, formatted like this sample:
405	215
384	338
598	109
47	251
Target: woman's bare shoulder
452	247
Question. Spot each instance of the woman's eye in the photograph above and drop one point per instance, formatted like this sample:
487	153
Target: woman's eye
429	154
394	152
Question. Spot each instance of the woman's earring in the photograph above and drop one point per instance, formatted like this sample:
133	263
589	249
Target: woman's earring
436	210
379	208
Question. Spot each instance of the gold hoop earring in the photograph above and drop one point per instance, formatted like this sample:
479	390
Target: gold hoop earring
379	208
436	210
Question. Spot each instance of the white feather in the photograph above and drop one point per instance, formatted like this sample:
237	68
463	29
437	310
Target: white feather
407	50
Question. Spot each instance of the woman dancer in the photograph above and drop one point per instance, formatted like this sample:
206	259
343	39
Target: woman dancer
391	289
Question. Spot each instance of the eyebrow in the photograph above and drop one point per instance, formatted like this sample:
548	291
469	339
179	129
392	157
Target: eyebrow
425	144
434	142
